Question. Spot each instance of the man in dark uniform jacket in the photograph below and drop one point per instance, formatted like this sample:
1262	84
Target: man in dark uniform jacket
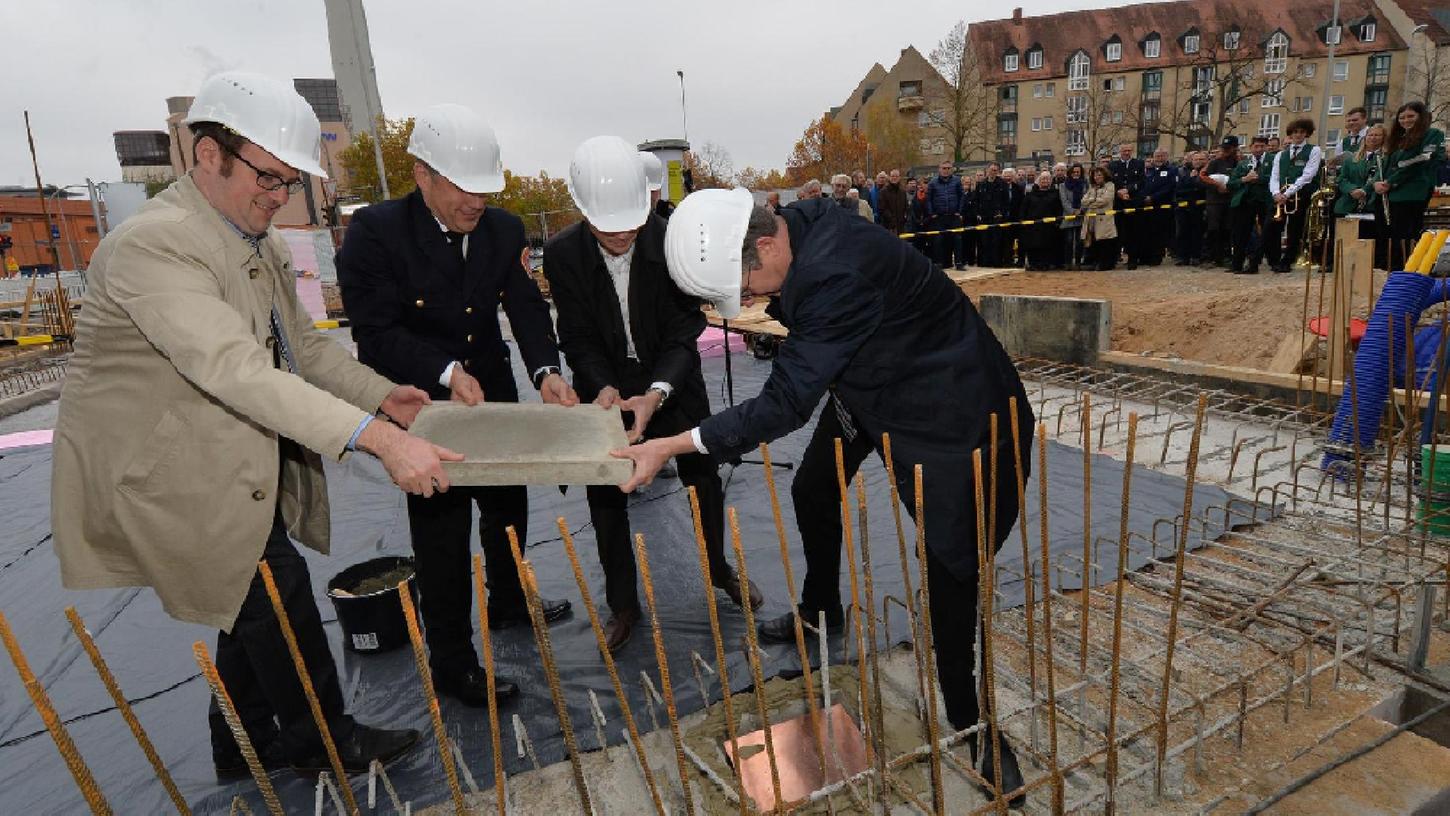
1128	175
629	335
1159	181
994	206
900	350
422	280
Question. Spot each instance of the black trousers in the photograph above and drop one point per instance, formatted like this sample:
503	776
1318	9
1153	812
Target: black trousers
258	672
1217	223
1130	229
948	243
1188	240
991	244
608	506
1245	218
1290	231
440	527
1407	221
815	494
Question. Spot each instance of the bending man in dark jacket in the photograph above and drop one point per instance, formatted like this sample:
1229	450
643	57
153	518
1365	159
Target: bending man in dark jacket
629	336
900	350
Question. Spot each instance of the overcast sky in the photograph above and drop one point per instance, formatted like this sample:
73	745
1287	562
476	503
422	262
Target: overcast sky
547	74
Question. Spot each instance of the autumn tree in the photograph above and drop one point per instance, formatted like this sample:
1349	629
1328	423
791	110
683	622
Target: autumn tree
893	140
362	167
825	148
965	108
1225	89
542	201
753	179
712	167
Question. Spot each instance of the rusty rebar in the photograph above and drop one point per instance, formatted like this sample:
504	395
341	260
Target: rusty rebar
1111	770
862	694
721	673
122	705
912	612
878	725
1028	589
984	595
233	721
1085	608
425	676
1177	599
308	691
642	557
753	653
610	668
938	794
1054	767
494	726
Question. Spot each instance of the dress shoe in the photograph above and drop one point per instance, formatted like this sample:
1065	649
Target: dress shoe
618	629
513	616
358	750
782	629
470	686
731	585
233	767
1011	773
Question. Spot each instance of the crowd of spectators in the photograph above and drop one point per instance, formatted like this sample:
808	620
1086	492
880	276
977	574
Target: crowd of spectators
1232	206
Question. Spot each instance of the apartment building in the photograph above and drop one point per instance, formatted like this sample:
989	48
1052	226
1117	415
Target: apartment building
910	94
1181	75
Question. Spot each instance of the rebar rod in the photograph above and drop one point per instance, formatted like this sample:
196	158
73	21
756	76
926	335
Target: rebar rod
878	725
229	715
495	729
1054	769
1111	768
938	794
435	715
642	557
985	549
753	656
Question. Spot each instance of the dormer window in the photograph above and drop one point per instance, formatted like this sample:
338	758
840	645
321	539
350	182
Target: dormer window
1191	41
1276	53
1009	60
1332	34
1113	49
1034	58
1367	31
1231	39
1153	46
1078	69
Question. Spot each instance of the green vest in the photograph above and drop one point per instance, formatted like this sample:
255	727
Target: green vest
1291	169
1349	144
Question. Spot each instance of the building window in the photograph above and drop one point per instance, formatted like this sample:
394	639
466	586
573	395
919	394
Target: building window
1366	32
1379	70
1076	143
1341	70
1077	72
1336	105
1009	63
1332	138
1375	100
1147	144
1007	130
1047	123
1269	125
1244	105
923	119
1034	57
1036	124
1037	90
1050	90
1306	104
1190	44
1231	40
1152	82
1148	114
1309	69
1273	93
1152	47
910	88
1331	35
1114	52
1276	54
1203	80
1076	110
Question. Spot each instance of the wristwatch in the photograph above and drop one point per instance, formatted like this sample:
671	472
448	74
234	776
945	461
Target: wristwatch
663	394
543	374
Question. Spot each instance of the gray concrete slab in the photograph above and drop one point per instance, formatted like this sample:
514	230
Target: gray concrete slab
1073	330
527	443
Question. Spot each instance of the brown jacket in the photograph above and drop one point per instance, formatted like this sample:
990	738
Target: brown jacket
1099	200
166	470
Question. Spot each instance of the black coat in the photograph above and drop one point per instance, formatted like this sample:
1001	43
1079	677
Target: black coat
664	322
414	308
906	352
1128	175
1037	205
1159	184
994	200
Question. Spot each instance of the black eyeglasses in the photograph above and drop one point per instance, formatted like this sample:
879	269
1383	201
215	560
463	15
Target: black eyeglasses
269	181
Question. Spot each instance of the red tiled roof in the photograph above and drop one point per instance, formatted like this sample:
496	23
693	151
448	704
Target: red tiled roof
1433	14
1062	35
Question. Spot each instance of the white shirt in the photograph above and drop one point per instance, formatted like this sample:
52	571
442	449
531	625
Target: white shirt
1311	169
618	266
1339	146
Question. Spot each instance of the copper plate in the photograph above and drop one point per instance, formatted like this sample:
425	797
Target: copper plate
795	758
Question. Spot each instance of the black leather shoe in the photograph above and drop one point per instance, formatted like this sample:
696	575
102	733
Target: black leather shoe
618	630
731	585
360	748
514	616
782	629
470	686
233	767
1011	773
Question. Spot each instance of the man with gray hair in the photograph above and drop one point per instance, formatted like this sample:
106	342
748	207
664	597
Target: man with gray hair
840	190
895	347
811	189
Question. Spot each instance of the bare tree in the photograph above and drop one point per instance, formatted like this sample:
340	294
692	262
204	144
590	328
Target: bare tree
1222	88
964	109
1428	79
713	167
1104	116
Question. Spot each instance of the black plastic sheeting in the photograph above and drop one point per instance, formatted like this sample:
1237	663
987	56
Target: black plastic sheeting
151	655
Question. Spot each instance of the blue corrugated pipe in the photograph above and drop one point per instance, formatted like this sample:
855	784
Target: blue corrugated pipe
1404	298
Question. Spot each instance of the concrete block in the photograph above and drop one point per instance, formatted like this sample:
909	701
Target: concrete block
527	443
1072	330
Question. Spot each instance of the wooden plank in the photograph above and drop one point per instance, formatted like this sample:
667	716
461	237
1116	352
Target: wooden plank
1297	348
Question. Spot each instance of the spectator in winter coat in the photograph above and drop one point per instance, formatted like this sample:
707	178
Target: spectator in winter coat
993	200
1040	240
1190	189
1099	230
840	186
1160	178
944	206
1071	190
882	179
891	203
863	208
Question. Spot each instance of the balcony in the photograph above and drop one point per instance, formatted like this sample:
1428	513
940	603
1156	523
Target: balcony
910	102
1006	107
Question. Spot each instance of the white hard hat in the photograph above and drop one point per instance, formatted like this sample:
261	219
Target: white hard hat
266	112
704	244
606	180
457	143
654	170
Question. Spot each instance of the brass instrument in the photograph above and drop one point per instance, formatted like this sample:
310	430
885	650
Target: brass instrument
1316	227
1288	206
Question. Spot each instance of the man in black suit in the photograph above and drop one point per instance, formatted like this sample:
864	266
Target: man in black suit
1129	174
629	336
897	348
422	280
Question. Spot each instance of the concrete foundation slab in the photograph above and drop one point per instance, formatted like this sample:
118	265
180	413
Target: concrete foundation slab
527	443
1072	330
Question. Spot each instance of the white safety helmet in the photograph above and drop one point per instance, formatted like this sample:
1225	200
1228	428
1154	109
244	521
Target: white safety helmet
606	180
460	146
654	170
266	112
704	243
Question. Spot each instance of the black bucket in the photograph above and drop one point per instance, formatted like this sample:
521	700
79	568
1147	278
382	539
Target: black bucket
372	623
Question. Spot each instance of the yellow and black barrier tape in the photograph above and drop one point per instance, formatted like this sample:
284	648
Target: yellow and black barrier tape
34	340
1052	219
338	323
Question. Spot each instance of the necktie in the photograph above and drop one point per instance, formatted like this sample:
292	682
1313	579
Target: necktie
455	240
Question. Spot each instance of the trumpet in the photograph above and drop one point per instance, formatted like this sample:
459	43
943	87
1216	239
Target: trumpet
1316	230
1288	206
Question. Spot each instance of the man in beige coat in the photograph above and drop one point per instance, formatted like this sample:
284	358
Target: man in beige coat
197	409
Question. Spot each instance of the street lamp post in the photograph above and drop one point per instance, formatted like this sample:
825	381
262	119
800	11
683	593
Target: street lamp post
684	119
